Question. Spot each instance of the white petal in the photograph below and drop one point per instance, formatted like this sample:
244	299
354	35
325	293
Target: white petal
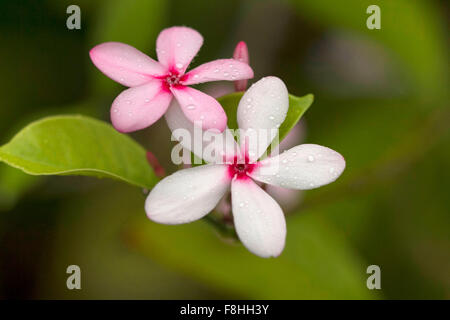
210	145
258	219
303	167
188	194
261	111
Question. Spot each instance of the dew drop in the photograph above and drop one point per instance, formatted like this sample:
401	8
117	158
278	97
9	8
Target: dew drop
179	65
191	107
271	117
311	158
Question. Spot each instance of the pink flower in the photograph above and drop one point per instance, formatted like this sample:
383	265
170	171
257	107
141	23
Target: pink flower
190	194
154	83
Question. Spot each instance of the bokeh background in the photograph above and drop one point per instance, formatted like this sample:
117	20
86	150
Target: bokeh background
381	100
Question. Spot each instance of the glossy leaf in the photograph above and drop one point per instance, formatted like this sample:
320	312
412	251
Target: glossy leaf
78	145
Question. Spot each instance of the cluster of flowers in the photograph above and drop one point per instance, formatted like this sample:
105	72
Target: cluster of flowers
192	193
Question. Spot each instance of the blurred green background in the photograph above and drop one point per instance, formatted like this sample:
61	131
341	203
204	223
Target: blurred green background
381	100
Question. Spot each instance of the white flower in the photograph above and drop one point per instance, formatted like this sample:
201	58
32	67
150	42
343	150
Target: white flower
190	194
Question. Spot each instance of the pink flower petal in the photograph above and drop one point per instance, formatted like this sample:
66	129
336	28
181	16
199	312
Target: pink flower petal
258	219
241	54
177	46
303	167
200	108
222	69
125	64
187	195
139	107
211	146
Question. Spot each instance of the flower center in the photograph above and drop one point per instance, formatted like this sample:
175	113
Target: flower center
240	168
172	79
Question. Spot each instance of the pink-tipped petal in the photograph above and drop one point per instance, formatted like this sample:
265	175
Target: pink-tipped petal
260	113
211	146
125	64
187	195
222	69
258	219
303	167
200	108
139	107
241	54
177	46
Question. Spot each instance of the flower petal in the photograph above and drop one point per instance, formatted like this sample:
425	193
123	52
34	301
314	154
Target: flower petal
210	146
241	54
222	69
187	195
177	46
258	219
125	64
303	167
139	107
201	108
260	113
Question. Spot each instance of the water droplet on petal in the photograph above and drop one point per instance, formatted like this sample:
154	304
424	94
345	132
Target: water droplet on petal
311	158
179	65
191	107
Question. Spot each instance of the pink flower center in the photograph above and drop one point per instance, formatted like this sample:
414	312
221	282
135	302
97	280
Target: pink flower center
172	79
240	168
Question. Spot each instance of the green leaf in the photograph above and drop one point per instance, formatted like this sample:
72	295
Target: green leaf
297	107
78	145
317	262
